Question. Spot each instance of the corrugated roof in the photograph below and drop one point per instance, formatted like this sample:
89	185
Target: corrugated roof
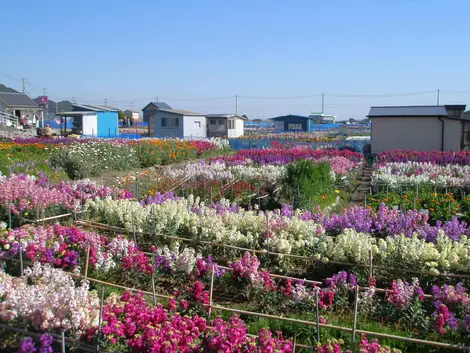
418	110
96	108
17	100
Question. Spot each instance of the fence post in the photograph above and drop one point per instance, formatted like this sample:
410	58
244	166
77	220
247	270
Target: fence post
211	292
87	259
133	230
153	289
100	318
370	264
9	216
356	300
21	257
62	341
365	201
317	315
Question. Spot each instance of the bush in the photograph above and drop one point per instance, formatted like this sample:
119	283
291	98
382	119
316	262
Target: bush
309	184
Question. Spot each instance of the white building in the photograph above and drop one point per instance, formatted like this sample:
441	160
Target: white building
225	125
421	128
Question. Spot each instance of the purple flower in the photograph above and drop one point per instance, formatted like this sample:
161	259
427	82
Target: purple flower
27	346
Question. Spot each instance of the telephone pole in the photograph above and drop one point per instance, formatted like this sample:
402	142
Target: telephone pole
322	103
106	102
236	104
438	94
73	100
24	87
131	105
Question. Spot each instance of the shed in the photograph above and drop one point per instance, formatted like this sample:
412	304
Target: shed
150	109
174	123
225	125
420	128
292	123
93	120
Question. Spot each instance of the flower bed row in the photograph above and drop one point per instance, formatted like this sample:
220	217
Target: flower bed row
400	301
406	239
434	157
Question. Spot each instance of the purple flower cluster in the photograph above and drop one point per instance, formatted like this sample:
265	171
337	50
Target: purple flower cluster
159	198
27	345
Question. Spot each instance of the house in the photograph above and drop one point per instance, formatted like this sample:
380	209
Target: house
20	106
320	118
164	122
150	109
419	128
292	123
93	120
132	115
225	125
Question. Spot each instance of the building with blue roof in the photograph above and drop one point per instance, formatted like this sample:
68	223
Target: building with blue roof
292	123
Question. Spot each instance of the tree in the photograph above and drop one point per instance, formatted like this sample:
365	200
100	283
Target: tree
121	116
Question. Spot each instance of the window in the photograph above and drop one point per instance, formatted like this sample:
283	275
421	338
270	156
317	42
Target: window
231	124
294	127
170	123
213	122
197	124
220	122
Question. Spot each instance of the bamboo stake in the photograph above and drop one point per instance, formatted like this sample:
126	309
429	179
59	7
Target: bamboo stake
370	264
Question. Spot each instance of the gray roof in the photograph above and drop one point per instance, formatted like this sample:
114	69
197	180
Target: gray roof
181	112
159	105
290	116
96	108
17	100
227	116
408	111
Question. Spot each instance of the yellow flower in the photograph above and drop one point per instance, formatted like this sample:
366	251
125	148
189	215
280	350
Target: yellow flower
337	191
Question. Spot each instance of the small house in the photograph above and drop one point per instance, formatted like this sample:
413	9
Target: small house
175	123
292	123
320	118
93	120
421	128
20	105
151	108
132	115
225	125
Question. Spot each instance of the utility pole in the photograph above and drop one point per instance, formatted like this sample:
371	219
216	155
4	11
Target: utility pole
131	105
157	99
24	88
106	102
438	94
73	100
44	91
322	103
236	104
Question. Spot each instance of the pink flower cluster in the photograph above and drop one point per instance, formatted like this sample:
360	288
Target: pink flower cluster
401	294
26	193
435	157
131	321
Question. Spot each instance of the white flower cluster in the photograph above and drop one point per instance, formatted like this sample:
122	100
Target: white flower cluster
51	302
183	261
415	173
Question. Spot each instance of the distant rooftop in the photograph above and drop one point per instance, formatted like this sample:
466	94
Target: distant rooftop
96	108
289	116
158	105
227	116
11	99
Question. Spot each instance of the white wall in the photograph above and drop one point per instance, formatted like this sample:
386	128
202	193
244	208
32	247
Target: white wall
195	126
238	131
452	134
90	125
420	133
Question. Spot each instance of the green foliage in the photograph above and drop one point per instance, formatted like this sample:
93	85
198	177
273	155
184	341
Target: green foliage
310	184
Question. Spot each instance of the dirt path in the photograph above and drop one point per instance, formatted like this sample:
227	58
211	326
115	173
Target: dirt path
362	188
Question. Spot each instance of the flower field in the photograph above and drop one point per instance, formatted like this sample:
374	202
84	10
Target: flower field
244	252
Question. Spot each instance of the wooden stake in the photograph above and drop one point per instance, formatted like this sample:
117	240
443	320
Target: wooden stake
317	315
100	318
62	343
153	289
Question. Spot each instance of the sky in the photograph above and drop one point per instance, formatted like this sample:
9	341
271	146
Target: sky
278	57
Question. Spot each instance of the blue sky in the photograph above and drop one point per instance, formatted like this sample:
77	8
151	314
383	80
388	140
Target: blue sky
188	53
